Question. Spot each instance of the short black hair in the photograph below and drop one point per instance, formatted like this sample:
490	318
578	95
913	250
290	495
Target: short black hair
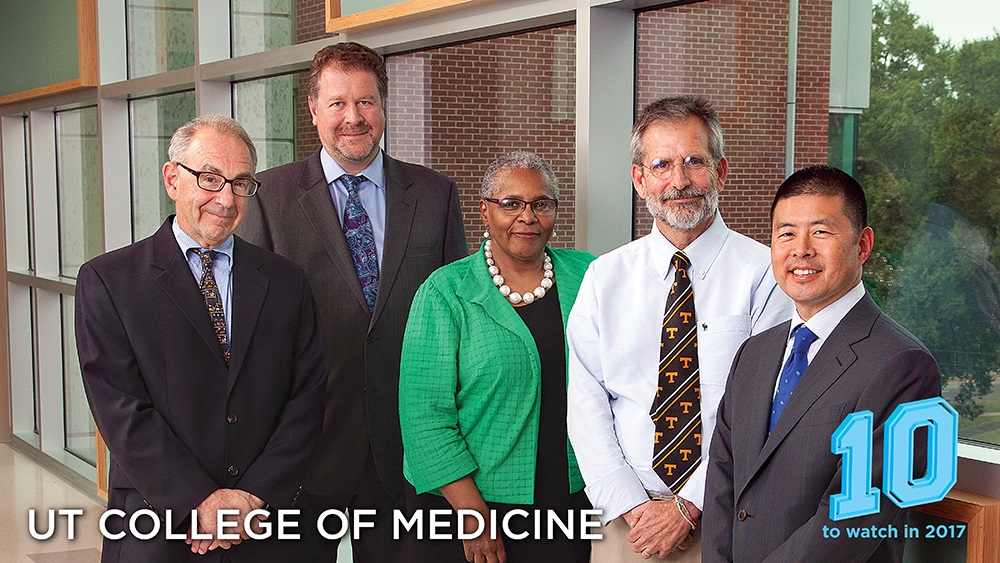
827	181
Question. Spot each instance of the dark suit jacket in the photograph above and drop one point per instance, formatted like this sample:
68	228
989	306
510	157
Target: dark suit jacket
179	424
294	216
768	497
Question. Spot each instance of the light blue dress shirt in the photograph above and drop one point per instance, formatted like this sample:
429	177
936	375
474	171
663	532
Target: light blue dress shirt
222	269
371	192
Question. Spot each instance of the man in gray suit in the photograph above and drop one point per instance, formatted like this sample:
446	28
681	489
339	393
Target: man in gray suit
367	229
772	472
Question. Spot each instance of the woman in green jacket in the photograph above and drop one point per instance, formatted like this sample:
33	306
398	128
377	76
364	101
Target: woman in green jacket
482	385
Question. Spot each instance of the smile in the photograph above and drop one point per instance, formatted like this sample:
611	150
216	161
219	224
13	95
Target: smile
804	272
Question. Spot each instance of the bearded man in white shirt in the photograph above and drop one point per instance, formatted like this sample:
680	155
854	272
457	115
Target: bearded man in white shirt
653	333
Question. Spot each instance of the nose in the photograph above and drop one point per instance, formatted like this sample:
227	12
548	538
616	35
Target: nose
226	197
527	215
802	247
353	115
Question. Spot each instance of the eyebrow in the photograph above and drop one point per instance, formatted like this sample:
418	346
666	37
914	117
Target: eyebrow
824	221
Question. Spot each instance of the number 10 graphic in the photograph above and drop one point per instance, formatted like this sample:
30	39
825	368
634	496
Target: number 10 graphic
853	440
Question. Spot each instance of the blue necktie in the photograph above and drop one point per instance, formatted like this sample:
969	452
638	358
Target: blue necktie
361	240
796	365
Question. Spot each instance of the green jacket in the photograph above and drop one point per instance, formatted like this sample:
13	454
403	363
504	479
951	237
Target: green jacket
470	382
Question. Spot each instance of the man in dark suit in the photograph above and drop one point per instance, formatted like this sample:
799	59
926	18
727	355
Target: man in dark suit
368	230
202	359
772	472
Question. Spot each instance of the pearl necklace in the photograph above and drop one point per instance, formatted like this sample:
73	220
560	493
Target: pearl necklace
515	297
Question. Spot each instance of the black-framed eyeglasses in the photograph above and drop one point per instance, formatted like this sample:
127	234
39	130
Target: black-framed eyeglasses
212	182
692	164
514	206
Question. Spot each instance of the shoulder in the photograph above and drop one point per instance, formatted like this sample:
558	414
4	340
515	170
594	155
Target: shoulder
630	253
745	251
124	262
271	264
573	260
451	274
771	341
286	172
889	333
405	172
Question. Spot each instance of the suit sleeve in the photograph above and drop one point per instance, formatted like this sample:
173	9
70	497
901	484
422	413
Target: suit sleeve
164	471
254	228
455	245
278	471
720	496
910	375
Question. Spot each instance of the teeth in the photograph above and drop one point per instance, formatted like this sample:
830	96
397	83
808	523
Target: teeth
804	272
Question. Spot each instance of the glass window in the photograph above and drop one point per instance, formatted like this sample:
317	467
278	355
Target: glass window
455	109
927	149
160	36
78	423
720	50
260	25
267	109
153	121
78	173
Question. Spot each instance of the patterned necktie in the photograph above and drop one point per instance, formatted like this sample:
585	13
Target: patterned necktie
676	410
213	301
361	240
795	366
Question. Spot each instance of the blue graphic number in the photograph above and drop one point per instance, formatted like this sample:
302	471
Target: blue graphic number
942	456
853	440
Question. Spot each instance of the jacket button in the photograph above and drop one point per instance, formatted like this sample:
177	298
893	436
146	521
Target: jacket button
231	419
371	339
233	471
742	515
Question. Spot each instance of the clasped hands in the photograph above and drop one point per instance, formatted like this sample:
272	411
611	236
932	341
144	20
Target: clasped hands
208	519
658	527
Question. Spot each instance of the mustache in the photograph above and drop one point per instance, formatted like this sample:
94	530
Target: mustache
347	130
686	193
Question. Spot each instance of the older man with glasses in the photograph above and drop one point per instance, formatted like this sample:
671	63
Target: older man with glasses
652	336
204	363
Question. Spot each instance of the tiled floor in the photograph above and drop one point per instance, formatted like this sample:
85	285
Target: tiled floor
24	485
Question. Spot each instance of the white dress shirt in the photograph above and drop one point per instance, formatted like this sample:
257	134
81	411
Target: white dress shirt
614	341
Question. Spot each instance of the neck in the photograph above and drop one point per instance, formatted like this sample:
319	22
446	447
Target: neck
681	239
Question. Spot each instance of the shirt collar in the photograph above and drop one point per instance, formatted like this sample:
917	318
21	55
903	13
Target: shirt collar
374	172
826	320
702	252
187	243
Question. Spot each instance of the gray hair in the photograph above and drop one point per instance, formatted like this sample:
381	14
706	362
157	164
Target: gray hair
676	109
518	160
180	141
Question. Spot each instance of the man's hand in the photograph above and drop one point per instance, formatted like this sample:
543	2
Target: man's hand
658	527
208	518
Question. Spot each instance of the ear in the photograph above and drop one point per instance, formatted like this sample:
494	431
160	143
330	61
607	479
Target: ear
483	205
639	180
866	243
721	170
171	179
312	109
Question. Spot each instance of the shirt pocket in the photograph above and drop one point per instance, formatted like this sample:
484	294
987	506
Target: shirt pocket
718	340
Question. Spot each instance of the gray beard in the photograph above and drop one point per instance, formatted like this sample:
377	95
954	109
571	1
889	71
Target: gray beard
688	217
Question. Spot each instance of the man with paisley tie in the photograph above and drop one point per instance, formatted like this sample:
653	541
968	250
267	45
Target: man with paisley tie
368	229
651	337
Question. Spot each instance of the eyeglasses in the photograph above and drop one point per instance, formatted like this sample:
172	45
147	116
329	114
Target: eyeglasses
212	182
663	168
514	206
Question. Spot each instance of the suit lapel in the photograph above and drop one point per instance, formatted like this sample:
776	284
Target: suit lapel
832	360
400	206
249	290
318	208
177	282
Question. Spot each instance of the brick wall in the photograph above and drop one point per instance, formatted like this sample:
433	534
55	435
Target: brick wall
455	109
734	52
